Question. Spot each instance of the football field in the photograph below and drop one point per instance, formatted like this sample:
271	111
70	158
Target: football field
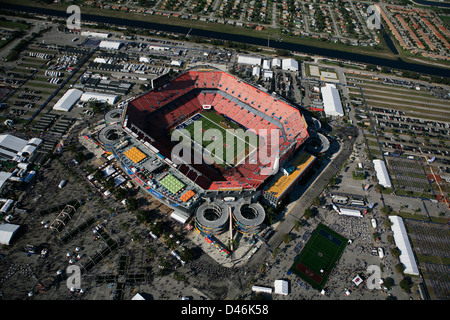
231	144
319	256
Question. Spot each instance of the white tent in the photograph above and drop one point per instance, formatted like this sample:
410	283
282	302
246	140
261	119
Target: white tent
281	287
68	100
331	100
180	217
266	64
249	60
290	64
10	146
382	174
261	289
402	243
138	297
256	71
101	97
110	44
350	212
109	170
276	62
7	231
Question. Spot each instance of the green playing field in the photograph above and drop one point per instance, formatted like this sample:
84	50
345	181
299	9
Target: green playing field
319	256
228	144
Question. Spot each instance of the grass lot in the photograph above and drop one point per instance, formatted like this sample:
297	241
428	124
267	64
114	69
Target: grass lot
321	252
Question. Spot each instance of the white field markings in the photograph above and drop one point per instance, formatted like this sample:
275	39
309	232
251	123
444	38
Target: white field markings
245	143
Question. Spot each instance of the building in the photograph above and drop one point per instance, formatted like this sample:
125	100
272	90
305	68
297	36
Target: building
331	100
101	97
382	173
402	242
68	100
266	64
289	64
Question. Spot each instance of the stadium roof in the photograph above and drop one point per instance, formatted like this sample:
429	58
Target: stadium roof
402	243
7	231
331	100
283	184
382	174
67	101
150	115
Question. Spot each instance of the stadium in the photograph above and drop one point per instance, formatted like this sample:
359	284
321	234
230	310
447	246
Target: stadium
189	106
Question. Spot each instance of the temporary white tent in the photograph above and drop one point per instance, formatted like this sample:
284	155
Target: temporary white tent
290	64
138	297
276	62
68	100
402	243
101	97
382	174
261	289
110	44
249	60
179	216
281	287
331	100
350	212
7	231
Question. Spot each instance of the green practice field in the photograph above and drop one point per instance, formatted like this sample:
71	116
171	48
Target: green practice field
319	256
231	144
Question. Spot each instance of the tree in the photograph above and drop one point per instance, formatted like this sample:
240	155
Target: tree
388	282
308	213
395	252
406	284
131	204
287	237
316	202
187	255
399	267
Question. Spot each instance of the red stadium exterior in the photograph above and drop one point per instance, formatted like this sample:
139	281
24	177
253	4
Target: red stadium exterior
150	116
